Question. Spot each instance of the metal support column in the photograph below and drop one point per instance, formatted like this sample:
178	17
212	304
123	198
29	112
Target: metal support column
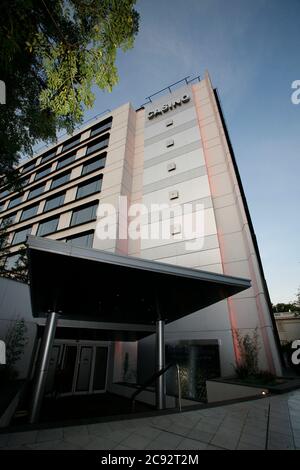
160	364
42	367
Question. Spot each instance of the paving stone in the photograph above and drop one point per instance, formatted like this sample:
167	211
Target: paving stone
165	441
99	443
189	444
200	435
19	438
51	434
226	439
137	442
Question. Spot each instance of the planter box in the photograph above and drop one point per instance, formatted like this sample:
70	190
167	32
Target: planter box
218	391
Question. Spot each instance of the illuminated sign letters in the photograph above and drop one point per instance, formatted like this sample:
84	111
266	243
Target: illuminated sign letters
167	107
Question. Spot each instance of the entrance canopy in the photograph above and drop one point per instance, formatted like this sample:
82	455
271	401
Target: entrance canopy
94	285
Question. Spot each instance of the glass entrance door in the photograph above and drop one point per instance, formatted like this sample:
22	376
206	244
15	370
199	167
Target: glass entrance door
82	369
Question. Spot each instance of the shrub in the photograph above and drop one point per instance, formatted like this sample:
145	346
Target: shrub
248	346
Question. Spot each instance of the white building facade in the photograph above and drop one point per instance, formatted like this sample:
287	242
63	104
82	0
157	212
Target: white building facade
175	151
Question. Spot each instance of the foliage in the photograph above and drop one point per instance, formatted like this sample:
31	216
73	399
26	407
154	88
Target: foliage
52	53
19	271
248	348
283	307
15	343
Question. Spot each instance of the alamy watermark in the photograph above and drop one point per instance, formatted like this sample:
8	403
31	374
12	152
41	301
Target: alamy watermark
296	354
295	97
185	222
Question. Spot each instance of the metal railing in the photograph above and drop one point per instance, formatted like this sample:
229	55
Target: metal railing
153	379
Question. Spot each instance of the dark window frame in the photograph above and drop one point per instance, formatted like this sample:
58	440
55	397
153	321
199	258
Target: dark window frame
81	234
43	186
70	143
90	147
65	157
55	196
58	177
44	222
90	161
37	178
82	208
98	178
18	231
28	208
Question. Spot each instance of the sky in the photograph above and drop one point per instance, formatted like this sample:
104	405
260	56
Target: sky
251	50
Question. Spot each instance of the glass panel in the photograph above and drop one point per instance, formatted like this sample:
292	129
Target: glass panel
48	156
89	187
54	202
15	201
30	212
86	214
97	145
71	143
36	191
11	262
94	164
84	240
66	160
8	220
84	371
67	374
48	226
99	379
21	235
40	174
28	167
4	193
60	180
102	126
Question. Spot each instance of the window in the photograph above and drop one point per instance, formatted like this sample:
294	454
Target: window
43	172
4	193
66	160
24	181
49	226
29	212
84	214
71	143
15	201
97	144
61	179
2	204
94	164
8	220
12	261
54	202
28	167
102	126
36	191
84	240
89	187
20	235
48	156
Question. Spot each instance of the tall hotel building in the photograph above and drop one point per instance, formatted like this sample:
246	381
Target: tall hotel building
173	150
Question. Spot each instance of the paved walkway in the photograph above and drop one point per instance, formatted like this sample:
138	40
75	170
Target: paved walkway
268	423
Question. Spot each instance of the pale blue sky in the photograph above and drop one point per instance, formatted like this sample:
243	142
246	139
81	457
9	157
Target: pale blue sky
251	50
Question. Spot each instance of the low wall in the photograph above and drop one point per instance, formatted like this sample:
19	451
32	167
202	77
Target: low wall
221	391
146	396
